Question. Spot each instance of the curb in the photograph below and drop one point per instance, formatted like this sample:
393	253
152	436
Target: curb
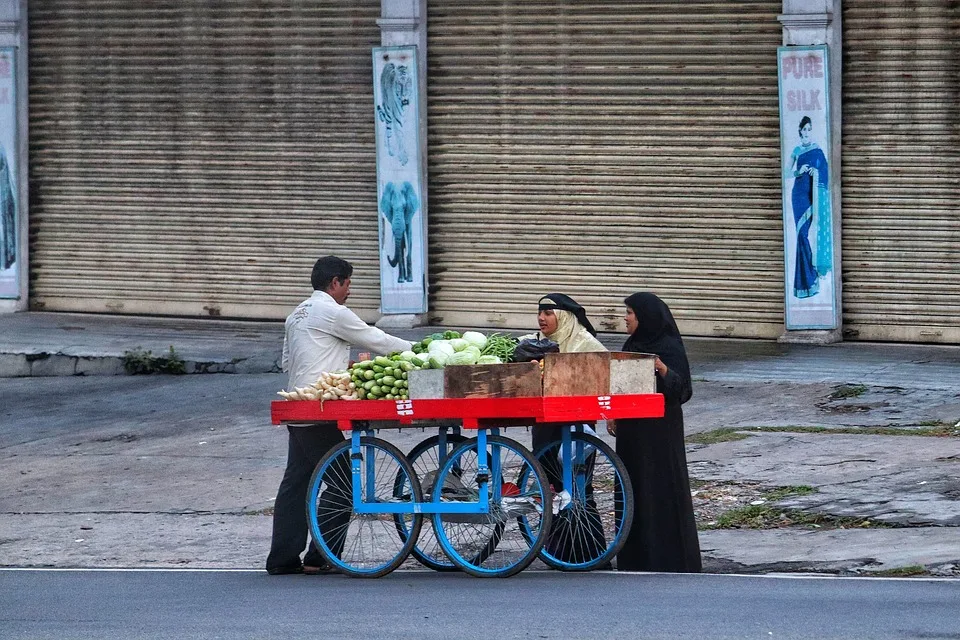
26	365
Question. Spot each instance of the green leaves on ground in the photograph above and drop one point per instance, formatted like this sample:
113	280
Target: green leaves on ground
140	362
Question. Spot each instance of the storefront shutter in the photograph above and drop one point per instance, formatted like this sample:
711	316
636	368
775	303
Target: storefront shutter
901	170
191	157
601	148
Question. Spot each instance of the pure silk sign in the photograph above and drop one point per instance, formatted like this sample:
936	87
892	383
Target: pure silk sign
399	193
811	300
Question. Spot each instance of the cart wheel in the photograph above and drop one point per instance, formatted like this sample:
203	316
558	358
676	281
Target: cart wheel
425	458
592	519
365	545
492	544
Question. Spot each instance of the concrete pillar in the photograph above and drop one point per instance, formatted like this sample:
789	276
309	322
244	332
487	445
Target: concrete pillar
814	22
13	33
404	23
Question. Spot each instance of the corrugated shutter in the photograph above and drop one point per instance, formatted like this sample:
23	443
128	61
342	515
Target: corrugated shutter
192	157
901	170
600	148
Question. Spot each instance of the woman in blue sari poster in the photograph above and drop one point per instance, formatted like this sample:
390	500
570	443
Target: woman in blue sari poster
811	212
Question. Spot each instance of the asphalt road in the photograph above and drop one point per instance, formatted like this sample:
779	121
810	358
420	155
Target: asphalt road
158	604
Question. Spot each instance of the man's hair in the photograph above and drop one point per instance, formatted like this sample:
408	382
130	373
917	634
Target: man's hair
326	269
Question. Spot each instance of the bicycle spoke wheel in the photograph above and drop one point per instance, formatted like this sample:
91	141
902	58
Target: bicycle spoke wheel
363	544
426	458
592	518
493	544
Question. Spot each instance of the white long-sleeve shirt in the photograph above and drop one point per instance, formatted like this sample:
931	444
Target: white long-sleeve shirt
318	335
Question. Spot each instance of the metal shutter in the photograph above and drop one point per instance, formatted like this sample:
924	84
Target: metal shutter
901	170
191	157
601	148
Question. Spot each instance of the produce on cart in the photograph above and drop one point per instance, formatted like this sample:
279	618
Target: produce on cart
484	504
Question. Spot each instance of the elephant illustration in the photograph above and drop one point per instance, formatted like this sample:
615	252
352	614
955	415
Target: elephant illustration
398	206
395	88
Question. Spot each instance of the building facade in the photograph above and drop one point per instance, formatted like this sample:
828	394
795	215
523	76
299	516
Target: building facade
195	157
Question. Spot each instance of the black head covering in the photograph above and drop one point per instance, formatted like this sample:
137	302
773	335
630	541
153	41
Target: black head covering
657	333
566	303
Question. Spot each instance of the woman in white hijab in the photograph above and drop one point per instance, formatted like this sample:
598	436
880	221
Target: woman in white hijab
565	322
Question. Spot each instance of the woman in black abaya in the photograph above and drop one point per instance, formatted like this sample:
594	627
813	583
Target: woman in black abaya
664	534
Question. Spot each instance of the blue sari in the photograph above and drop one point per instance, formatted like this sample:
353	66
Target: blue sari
811	197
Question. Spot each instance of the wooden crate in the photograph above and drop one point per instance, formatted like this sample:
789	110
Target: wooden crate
514	380
600	373
564	374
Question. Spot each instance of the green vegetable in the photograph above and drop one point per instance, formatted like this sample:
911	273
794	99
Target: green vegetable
374	390
459	344
388	380
377	368
426	342
369	374
475	338
369	384
488	360
450	335
501	346
463	357
438	360
441	346
382	361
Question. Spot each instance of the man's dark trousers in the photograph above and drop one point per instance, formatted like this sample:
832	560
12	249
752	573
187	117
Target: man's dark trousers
307	445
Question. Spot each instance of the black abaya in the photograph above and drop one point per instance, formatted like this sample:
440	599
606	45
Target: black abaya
664	533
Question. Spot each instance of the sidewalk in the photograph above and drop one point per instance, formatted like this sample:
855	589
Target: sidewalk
845	457
57	344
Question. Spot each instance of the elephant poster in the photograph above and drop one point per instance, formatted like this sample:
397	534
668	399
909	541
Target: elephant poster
9	221
399	191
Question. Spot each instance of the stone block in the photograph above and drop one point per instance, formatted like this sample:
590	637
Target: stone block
54	365
99	366
14	365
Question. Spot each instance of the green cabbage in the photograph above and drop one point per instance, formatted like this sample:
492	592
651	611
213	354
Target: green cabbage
441	346
462	357
459	344
489	360
476	338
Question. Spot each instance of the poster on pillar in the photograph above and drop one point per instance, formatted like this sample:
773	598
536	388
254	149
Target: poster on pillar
399	190
805	144
9	223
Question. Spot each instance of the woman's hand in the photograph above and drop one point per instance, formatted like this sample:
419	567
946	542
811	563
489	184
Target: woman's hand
660	368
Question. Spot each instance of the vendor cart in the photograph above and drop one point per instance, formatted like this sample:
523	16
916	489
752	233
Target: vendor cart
484	504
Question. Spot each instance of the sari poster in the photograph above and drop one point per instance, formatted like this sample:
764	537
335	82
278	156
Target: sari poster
811	301
9	219
399	200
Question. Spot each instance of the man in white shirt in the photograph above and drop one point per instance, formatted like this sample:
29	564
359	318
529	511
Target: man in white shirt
317	338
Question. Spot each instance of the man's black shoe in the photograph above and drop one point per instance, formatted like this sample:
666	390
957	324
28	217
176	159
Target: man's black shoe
283	571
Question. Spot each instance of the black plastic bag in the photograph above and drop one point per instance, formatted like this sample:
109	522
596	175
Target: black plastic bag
532	349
